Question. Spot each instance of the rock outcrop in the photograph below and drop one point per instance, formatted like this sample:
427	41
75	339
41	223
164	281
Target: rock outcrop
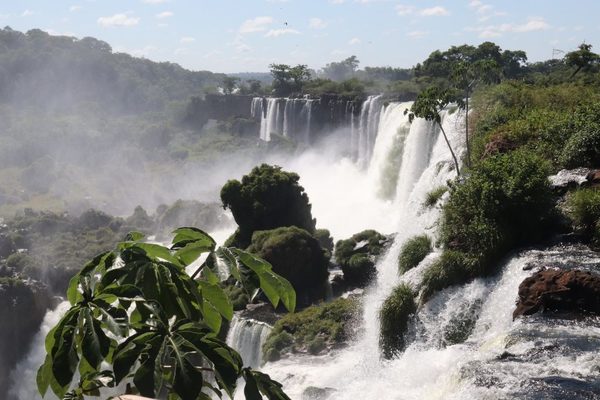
572	291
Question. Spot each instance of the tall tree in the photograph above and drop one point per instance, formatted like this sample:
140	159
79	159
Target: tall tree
229	84
287	79
582	59
428	105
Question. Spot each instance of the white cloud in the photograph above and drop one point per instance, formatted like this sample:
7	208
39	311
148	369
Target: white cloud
27	13
141	52
317	23
436	11
187	39
257	24
354	41
118	20
281	32
532	25
74	8
402	9
417	34
164	14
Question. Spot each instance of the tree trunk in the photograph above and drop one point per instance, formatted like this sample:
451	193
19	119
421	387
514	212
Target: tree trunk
450	148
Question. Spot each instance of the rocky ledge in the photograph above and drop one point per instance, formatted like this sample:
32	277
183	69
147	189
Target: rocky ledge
548	290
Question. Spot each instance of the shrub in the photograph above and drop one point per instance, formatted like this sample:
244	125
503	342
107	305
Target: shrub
325	240
295	255
357	256
312	329
267	198
393	318
505	202
413	252
434	196
451	268
583	207
582	149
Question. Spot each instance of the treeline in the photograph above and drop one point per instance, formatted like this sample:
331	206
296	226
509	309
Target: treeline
61	72
347	79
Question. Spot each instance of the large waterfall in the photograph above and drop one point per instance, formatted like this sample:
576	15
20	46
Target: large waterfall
382	185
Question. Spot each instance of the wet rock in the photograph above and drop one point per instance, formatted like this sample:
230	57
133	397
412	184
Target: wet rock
569	179
316	393
262	312
572	291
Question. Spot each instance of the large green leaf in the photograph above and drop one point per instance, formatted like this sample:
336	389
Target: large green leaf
276	288
95	344
216	297
186	235
257	383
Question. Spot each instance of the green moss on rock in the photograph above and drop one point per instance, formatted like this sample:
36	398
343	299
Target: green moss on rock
312	330
297	256
357	256
413	252
394	317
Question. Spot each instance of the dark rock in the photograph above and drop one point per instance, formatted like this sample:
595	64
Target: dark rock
316	393
571	291
297	256
24	304
262	312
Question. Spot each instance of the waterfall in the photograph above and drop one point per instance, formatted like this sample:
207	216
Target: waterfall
291	118
367	128
23	377
247	337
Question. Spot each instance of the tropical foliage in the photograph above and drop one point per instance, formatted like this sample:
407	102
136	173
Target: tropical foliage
138	318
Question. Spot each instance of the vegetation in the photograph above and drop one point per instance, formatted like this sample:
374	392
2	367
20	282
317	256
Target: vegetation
413	252
168	343
583	207
297	256
313	329
288	80
267	198
357	256
393	317
433	196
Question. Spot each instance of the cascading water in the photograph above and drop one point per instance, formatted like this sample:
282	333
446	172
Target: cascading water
247	336
367	128
284	116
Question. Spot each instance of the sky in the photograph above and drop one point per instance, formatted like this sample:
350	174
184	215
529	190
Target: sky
248	35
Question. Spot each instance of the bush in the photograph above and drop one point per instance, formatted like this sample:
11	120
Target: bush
506	202
393	318
413	252
582	149
237	296
434	196
295	255
357	256
452	268
312	329
267	198
583	207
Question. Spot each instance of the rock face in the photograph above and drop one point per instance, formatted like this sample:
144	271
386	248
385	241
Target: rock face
559	290
24	305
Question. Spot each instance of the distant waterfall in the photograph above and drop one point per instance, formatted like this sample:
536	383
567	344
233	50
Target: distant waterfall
367	128
288	117
247	337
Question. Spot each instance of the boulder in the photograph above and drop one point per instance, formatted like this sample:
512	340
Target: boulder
358	255
297	256
572	291
567	179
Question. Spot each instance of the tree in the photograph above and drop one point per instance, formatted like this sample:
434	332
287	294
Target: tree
339	71
464	77
287	79
428	105
229	84
136	310
582	59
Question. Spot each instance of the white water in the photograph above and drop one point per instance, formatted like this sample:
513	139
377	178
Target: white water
347	199
247	336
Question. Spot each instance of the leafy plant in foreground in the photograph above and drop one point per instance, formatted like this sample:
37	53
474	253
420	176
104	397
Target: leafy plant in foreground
137	317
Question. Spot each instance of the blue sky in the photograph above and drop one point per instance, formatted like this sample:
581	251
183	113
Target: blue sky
248	35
